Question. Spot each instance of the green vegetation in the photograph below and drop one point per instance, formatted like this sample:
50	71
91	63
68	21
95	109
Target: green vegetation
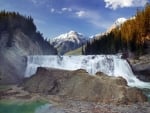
17	107
75	52
129	37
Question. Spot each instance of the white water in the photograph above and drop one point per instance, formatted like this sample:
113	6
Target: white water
109	64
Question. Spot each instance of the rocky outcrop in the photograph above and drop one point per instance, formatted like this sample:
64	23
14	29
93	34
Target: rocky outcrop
79	85
141	67
18	39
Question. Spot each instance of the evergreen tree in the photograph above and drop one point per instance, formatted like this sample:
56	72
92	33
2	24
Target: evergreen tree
130	36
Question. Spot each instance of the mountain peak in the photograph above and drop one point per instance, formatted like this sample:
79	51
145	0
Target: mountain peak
117	23
72	32
120	21
71	35
68	41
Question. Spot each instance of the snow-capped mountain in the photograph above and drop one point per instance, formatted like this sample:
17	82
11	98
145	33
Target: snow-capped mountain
73	40
117	23
68	41
96	36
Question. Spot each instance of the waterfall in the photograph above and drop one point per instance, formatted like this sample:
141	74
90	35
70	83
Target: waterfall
111	65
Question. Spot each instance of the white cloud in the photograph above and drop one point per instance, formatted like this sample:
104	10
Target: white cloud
92	17
39	2
39	21
60	11
66	9
81	13
114	4
34	1
52	10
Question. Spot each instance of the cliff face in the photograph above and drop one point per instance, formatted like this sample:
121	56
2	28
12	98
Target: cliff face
18	39
141	67
79	85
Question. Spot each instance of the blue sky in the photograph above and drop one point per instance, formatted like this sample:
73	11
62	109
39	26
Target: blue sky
54	17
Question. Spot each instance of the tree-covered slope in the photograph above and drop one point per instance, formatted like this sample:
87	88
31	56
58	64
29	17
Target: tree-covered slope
18	39
132	36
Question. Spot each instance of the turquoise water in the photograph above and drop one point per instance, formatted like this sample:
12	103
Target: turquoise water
147	93
17	107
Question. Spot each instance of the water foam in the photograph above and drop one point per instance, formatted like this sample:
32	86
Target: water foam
109	64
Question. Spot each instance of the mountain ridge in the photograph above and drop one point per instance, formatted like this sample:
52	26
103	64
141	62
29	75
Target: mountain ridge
116	24
68	41
132	37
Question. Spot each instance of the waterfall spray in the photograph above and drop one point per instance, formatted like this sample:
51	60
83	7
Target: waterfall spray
111	65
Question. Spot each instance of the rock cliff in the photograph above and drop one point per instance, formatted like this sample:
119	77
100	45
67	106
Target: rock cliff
141	67
18	39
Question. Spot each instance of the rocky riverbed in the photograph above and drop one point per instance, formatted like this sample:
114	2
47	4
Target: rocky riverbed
59	104
60	91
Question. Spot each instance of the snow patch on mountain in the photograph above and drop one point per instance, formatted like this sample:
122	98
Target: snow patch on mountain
68	41
72	36
117	23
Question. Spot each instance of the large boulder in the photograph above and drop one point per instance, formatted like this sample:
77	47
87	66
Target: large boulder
80	85
141	67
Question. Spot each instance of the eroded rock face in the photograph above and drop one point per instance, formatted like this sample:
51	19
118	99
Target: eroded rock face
141	67
13	58
79	85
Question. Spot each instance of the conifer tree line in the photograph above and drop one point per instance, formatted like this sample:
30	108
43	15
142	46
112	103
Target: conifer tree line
131	36
13	20
10	22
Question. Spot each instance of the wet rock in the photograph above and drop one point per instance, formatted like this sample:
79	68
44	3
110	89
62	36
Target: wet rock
141	67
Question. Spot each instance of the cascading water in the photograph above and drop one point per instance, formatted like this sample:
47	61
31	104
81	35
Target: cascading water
90	63
109	64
